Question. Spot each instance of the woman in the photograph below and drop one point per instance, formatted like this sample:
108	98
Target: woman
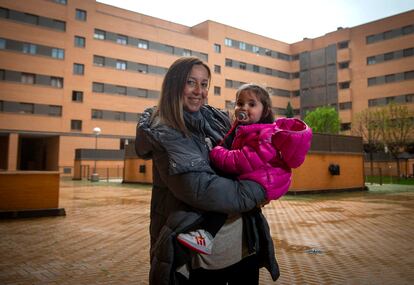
178	135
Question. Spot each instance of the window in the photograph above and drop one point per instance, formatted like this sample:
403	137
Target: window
59	25
77	96
98	60
121	64
268	52
80	15
388	35
343	65
97	87
169	49
344	85
407	30
217	69
99	35
31	19
58	53
242	65
345	126
80	41
256	68
390	99
229	62
186	52
268	71
122	40
409	75
408	52
229	105
255	49
2	74
228	42
242	45
76	125
119	116
55	111
345	106
2	43
28	78
229	83
143	44
217	48
142	68
372	81
29	48
371	60
78	69
342	45
26	108
97	114
370	39
388	56
296	93
217	90
283	74
63	2
389	78
121	90
56	82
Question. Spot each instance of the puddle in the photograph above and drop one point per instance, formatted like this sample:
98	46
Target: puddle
282	244
307	223
332	209
334	221
364	216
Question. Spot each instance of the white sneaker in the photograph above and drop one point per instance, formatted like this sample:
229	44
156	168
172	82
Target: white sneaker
199	240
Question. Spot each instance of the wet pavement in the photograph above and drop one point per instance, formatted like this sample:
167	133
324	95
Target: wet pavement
342	238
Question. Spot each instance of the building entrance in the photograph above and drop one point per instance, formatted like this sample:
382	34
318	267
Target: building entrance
38	153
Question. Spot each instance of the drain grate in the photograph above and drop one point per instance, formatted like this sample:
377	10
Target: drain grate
314	251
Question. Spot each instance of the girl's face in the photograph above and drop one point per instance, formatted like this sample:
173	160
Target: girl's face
250	105
196	89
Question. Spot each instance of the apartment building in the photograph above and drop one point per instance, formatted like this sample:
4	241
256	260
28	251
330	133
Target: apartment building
68	66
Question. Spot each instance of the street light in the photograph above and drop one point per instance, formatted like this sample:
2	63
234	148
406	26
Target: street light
95	175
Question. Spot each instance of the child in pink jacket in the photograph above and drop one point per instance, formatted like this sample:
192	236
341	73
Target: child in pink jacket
261	150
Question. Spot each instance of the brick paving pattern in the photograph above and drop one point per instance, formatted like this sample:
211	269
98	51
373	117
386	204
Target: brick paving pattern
348	238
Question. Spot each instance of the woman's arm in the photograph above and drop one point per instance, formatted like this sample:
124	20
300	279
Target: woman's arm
208	191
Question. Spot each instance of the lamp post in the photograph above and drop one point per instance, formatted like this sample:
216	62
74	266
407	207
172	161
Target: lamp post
95	175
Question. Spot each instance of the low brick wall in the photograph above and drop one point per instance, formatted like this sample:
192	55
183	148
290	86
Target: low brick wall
29	190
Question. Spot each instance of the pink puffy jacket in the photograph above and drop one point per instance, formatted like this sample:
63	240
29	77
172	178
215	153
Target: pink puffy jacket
265	153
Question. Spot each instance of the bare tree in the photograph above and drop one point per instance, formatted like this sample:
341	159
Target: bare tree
396	125
366	124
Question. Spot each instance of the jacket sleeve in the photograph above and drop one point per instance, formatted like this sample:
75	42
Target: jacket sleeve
292	138
257	151
211	192
205	190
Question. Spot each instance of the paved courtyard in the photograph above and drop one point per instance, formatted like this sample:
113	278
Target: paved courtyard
344	238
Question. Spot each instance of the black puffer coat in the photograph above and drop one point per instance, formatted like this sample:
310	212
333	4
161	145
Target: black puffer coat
184	185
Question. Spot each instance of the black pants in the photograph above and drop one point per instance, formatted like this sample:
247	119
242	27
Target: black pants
245	272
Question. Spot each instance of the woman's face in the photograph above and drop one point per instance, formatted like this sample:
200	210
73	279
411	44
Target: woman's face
249	104
196	89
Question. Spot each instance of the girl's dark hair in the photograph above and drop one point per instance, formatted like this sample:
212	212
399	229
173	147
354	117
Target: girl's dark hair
264	97
170	105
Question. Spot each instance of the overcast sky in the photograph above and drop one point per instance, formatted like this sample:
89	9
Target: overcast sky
285	20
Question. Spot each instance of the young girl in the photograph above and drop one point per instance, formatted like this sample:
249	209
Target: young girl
261	150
